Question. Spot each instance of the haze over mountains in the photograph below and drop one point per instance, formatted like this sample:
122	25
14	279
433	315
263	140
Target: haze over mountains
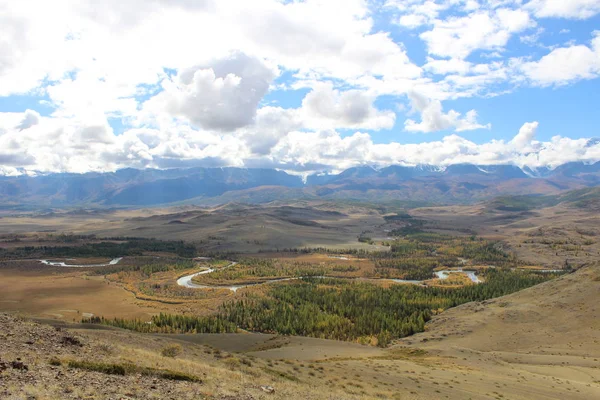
460	183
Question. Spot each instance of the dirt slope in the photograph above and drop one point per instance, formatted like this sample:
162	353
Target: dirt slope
559	315
547	336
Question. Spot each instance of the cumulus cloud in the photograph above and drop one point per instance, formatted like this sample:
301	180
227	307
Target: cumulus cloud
92	134
415	13
565	65
307	150
325	106
59	145
272	124
526	135
458	37
213	90
577	9
445	67
222	96
30	118
434	119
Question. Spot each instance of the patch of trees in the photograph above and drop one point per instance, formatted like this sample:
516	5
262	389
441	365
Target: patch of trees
170	323
147	268
132	247
397	217
249	268
339	309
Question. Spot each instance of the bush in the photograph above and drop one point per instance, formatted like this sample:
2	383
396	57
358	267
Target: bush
172	350
178	376
124	369
111	369
54	361
232	363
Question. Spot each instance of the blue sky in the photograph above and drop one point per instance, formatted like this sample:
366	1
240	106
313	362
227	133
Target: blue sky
304	86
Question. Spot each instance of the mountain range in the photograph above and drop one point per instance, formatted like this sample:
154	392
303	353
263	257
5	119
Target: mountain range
459	183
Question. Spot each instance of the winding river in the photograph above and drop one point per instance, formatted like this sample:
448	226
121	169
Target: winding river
470	274
114	261
186	281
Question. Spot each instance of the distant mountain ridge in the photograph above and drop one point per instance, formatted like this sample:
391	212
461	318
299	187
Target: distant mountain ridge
459	183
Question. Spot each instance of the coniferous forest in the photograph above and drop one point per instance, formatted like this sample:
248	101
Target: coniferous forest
338	309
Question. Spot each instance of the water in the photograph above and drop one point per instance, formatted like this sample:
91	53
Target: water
186	281
114	261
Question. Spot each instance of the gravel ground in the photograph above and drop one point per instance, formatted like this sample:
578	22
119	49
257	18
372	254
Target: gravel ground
27	348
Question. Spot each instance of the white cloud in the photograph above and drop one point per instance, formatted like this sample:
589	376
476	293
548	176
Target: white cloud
326	107
533	38
565	65
458	37
321	150
223	95
445	67
30	118
272	124
577	9
525	136
58	144
412	20
416	13
434	119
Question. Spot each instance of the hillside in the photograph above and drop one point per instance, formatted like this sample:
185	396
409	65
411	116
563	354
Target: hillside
588	198
39	361
556	318
549	333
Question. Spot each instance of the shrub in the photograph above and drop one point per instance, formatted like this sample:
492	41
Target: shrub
111	369
172	350
178	376
124	369
232	363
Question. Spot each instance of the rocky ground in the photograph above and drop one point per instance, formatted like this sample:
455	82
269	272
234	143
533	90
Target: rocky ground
27	351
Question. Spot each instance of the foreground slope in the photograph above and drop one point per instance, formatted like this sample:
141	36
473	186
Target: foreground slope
558	317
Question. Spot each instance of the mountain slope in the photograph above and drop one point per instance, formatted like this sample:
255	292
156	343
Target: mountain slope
588	198
460	183
558	314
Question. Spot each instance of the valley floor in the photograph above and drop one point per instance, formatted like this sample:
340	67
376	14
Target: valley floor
540	343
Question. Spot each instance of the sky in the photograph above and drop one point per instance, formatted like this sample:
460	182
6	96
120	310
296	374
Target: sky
303	86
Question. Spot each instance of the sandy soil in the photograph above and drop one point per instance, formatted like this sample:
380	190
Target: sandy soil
69	296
